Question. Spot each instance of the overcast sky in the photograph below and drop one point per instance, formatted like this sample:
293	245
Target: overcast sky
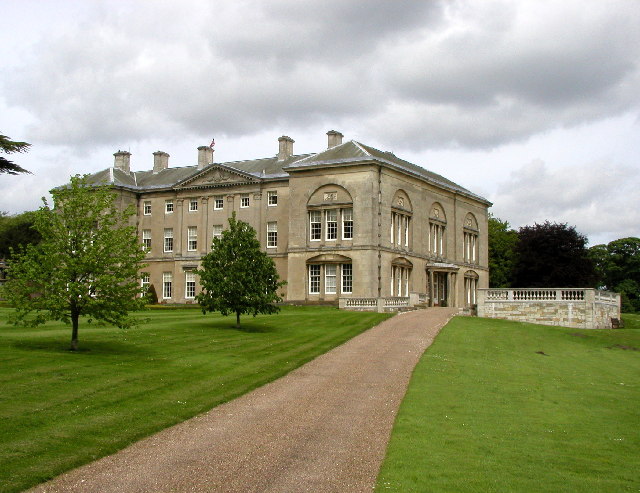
534	105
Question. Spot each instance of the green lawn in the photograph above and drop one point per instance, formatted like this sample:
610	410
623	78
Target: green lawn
60	409
497	406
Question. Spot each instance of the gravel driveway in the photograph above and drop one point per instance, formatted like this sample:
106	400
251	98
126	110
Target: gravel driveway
322	428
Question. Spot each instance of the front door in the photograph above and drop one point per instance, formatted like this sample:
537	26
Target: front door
440	288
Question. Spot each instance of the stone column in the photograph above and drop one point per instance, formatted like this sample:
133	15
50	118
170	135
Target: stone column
178	247
205	240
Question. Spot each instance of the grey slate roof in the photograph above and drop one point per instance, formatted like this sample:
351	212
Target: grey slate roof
345	154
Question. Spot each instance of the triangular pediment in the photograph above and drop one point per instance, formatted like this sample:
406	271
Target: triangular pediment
217	175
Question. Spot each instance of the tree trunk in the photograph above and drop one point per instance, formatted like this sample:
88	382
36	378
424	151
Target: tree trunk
74	330
237	320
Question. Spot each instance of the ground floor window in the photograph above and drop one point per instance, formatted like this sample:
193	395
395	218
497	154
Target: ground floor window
330	278
190	284
400	280
167	285
471	288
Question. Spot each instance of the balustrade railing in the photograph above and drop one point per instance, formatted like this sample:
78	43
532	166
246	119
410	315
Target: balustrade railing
561	294
361	302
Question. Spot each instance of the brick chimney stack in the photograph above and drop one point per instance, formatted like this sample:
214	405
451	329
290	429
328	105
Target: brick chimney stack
335	138
285	147
160	161
123	161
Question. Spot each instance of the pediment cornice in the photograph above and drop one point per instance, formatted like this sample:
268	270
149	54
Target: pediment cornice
217	175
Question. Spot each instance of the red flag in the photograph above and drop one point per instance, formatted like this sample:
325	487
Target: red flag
213	143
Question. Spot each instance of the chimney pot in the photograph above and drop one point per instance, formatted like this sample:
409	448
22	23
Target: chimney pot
160	161
334	138
122	161
205	156
285	147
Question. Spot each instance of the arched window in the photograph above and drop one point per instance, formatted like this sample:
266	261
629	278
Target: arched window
330	213
470	287
329	274
437	230
400	274
401	212
470	235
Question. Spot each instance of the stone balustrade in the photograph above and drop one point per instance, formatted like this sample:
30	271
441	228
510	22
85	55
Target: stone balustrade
568	307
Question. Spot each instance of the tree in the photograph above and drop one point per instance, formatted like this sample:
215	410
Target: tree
85	265
502	253
16	231
9	146
618	268
237	276
552	255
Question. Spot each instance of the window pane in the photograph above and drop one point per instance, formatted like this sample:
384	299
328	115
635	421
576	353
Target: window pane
167	278
332	224
272	198
272	234
347	224
330	278
314	279
347	278
193	205
168	240
192	238
315	229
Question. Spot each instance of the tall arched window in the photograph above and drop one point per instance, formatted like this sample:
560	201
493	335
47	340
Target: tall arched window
401	212
330	215
470	235
437	230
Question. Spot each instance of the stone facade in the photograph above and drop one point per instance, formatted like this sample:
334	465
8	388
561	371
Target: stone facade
577	308
348	222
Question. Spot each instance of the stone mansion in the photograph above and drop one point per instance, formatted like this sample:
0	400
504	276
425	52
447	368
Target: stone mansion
349	223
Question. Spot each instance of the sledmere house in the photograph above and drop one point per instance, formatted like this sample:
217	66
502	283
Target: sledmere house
350	225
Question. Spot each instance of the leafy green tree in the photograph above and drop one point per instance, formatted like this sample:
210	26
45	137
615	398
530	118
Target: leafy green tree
237	276
552	255
618	268
85	265
9	146
502	253
16	231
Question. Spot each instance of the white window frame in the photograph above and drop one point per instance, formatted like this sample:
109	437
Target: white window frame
346	278
218	202
192	238
244	201
168	240
331	224
272	234
272	198
146	208
330	278
315	218
167	285
193	205
217	230
347	224
190	284
168	207
146	240
314	278
145	280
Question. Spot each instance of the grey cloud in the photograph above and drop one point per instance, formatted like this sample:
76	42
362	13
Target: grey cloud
420	74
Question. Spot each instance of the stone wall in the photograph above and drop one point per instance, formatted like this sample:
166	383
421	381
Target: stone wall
577	308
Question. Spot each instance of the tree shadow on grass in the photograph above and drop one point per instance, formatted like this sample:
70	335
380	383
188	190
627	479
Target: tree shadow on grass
102	348
249	327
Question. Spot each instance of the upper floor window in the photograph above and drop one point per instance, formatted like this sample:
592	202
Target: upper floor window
272	234
470	239
168	206
437	231
193	205
218	202
244	200
331	224
315	225
168	240
400	229
347	224
147	208
146	239
192	238
217	230
272	197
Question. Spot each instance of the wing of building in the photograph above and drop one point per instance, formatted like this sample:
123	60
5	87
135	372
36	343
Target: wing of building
350	222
